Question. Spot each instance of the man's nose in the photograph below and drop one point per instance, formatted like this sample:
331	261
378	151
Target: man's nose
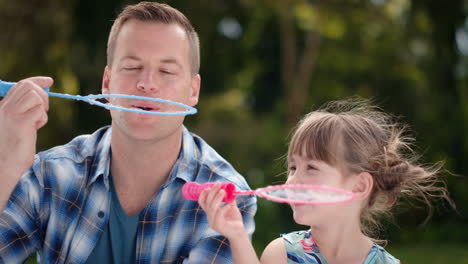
148	84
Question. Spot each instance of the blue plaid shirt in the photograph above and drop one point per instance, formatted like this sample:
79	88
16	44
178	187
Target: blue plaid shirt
61	205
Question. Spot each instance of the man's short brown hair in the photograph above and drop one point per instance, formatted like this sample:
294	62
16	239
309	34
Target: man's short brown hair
160	13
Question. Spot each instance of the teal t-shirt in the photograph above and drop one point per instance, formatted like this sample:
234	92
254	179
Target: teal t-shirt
117	242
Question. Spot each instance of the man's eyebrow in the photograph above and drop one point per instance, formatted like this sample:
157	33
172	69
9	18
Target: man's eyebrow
165	60
173	61
170	60
130	57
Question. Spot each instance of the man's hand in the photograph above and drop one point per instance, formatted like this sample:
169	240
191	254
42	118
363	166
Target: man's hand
22	112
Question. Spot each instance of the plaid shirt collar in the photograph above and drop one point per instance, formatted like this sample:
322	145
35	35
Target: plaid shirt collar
188	157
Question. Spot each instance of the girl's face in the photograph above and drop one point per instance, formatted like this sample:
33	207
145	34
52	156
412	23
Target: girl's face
302	170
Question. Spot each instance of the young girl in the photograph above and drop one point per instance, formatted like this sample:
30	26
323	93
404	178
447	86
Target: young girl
349	145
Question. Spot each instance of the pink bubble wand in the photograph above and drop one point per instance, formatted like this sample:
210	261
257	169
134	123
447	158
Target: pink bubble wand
299	194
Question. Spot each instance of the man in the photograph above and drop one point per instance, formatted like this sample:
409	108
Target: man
115	196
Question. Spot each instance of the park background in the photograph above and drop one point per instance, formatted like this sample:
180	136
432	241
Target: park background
264	64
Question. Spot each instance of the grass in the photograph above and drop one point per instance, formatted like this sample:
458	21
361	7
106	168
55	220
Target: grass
431	254
415	254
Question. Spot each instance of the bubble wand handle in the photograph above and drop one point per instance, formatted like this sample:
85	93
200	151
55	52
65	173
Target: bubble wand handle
191	190
6	86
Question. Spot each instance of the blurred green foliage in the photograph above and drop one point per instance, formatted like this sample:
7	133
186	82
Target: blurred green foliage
265	64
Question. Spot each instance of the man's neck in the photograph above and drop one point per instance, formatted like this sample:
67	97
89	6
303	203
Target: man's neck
139	168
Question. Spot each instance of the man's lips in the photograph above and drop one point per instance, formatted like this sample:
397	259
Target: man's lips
146	107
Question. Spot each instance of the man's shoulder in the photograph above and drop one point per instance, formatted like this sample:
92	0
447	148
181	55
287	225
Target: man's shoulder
209	161
78	149
66	166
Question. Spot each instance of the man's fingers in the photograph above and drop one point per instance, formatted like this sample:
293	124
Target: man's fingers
42	120
27	94
36	116
31	99
42	81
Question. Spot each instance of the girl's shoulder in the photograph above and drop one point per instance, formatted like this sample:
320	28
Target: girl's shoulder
275	252
378	255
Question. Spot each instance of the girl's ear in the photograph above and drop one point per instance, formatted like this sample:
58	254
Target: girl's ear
363	185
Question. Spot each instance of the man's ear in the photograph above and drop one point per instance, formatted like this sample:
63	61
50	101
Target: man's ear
105	81
363	185
195	90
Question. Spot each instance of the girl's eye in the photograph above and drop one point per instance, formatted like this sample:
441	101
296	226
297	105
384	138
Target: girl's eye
310	167
291	168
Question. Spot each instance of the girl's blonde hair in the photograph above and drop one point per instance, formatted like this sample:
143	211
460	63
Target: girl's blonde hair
357	137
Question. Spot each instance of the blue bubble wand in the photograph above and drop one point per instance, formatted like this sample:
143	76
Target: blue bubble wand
92	99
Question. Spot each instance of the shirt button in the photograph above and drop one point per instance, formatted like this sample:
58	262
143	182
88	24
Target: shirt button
100	214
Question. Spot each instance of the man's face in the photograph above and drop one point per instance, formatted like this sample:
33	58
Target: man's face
150	59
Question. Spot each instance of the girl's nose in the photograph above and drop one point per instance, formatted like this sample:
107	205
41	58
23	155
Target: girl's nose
291	180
